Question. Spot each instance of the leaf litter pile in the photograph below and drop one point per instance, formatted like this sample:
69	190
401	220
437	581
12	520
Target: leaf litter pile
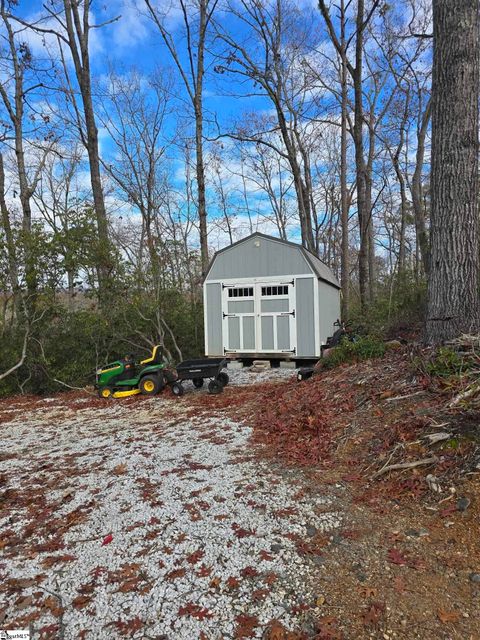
333	509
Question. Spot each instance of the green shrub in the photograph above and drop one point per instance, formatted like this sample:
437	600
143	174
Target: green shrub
363	348
444	363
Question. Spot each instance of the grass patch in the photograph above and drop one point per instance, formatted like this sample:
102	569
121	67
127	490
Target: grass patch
363	348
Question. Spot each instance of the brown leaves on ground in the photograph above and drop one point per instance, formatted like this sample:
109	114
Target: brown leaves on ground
120	469
396	557
175	573
276	631
447	617
195	611
246	626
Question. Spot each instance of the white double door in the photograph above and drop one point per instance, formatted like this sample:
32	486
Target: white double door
259	317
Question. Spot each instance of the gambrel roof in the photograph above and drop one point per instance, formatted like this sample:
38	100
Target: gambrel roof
319	268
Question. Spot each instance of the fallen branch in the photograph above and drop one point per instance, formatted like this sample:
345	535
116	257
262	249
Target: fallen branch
69	386
472	390
410	395
405	465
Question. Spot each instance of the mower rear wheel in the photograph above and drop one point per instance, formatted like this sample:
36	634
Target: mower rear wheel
105	392
177	389
198	383
149	385
223	378
215	386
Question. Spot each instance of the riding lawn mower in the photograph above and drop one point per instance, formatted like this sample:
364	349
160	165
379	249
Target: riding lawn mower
124	378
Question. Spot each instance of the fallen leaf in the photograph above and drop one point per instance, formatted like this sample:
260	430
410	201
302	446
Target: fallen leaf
248	572
246	626
195	611
368	592
448	511
195	557
275	631
259	594
374	613
448	616
81	601
107	540
232	583
120	469
176	573
396	557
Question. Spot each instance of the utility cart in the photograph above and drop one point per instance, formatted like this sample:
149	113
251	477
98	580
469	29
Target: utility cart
199	370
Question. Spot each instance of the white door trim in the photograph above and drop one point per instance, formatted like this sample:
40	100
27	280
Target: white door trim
257	298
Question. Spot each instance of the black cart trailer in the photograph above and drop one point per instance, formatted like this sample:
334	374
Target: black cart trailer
199	370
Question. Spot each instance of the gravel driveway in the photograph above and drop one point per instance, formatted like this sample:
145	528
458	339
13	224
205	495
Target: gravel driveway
141	519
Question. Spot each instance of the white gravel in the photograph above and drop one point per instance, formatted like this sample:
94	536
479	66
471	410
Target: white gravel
189	511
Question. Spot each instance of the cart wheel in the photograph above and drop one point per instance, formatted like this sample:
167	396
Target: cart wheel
223	378
215	386
149	385
198	383
177	389
105	392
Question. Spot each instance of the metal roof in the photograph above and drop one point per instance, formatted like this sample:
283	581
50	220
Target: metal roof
320	268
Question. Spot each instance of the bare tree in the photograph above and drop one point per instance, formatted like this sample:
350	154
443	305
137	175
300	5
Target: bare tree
279	37
192	73
22	80
355	69
73	29
453	301
134	116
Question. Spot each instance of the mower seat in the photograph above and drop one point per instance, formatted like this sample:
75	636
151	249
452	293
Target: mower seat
155	358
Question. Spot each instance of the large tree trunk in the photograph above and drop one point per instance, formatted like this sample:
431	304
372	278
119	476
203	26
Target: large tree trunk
453	301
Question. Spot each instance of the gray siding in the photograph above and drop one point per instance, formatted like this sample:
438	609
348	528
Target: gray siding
213	330
329	303
304	314
270	258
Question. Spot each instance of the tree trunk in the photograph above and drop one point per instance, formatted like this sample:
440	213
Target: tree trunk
78	40
7	229
200	171
198	109
453	301
345	263
360	159
416	190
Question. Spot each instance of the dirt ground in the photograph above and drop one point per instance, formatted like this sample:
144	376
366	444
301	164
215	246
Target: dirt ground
256	513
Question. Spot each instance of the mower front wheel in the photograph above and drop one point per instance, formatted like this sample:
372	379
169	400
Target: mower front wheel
177	389
149	385
105	392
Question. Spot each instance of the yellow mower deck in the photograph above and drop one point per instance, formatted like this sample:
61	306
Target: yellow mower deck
125	394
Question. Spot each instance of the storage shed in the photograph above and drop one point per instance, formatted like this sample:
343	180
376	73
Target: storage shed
268	298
